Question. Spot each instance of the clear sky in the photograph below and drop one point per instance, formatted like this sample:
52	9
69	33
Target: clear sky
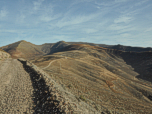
126	22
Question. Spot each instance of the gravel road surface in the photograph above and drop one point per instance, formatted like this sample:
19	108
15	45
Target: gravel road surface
15	89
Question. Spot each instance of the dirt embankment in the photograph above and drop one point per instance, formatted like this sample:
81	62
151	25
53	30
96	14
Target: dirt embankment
50	96
26	89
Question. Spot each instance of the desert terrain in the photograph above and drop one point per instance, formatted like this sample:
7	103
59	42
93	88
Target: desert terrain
99	78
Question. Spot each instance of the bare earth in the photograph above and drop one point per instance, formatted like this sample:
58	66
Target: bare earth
15	89
24	89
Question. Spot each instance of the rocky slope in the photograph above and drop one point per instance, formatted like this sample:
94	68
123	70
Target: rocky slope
3	55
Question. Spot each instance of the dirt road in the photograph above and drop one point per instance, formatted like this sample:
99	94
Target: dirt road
49	64
15	89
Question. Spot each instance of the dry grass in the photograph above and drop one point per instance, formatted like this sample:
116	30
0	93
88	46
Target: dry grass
97	77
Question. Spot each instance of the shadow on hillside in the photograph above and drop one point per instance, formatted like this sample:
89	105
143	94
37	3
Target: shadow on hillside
42	98
140	61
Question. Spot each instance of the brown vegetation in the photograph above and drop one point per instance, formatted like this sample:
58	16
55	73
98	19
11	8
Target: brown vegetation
89	68
109	80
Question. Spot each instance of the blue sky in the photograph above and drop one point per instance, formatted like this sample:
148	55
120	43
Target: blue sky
126	22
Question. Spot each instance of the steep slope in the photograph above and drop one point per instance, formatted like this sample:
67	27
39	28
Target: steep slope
4	55
53	47
130	49
23	49
141	62
100	77
48	47
58	46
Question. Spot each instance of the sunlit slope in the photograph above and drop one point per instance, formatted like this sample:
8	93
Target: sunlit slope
100	77
23	49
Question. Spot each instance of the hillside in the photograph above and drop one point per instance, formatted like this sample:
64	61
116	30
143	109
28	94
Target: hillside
141	62
117	47
50	48
4	55
101	77
94	77
129	48
28	50
22	49
26	89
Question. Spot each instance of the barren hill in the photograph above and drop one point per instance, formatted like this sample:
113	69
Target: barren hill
28	50
52	48
82	78
26	89
130	49
22	49
102	77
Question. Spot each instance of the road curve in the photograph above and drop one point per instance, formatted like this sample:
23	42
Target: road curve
49	64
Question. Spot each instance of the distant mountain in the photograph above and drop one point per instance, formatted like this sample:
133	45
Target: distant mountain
129	48
49	48
28	50
54	47
46	48
91	44
22	49
118	47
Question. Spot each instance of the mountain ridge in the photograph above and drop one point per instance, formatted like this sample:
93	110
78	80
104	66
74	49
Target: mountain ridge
107	79
22	49
49	48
